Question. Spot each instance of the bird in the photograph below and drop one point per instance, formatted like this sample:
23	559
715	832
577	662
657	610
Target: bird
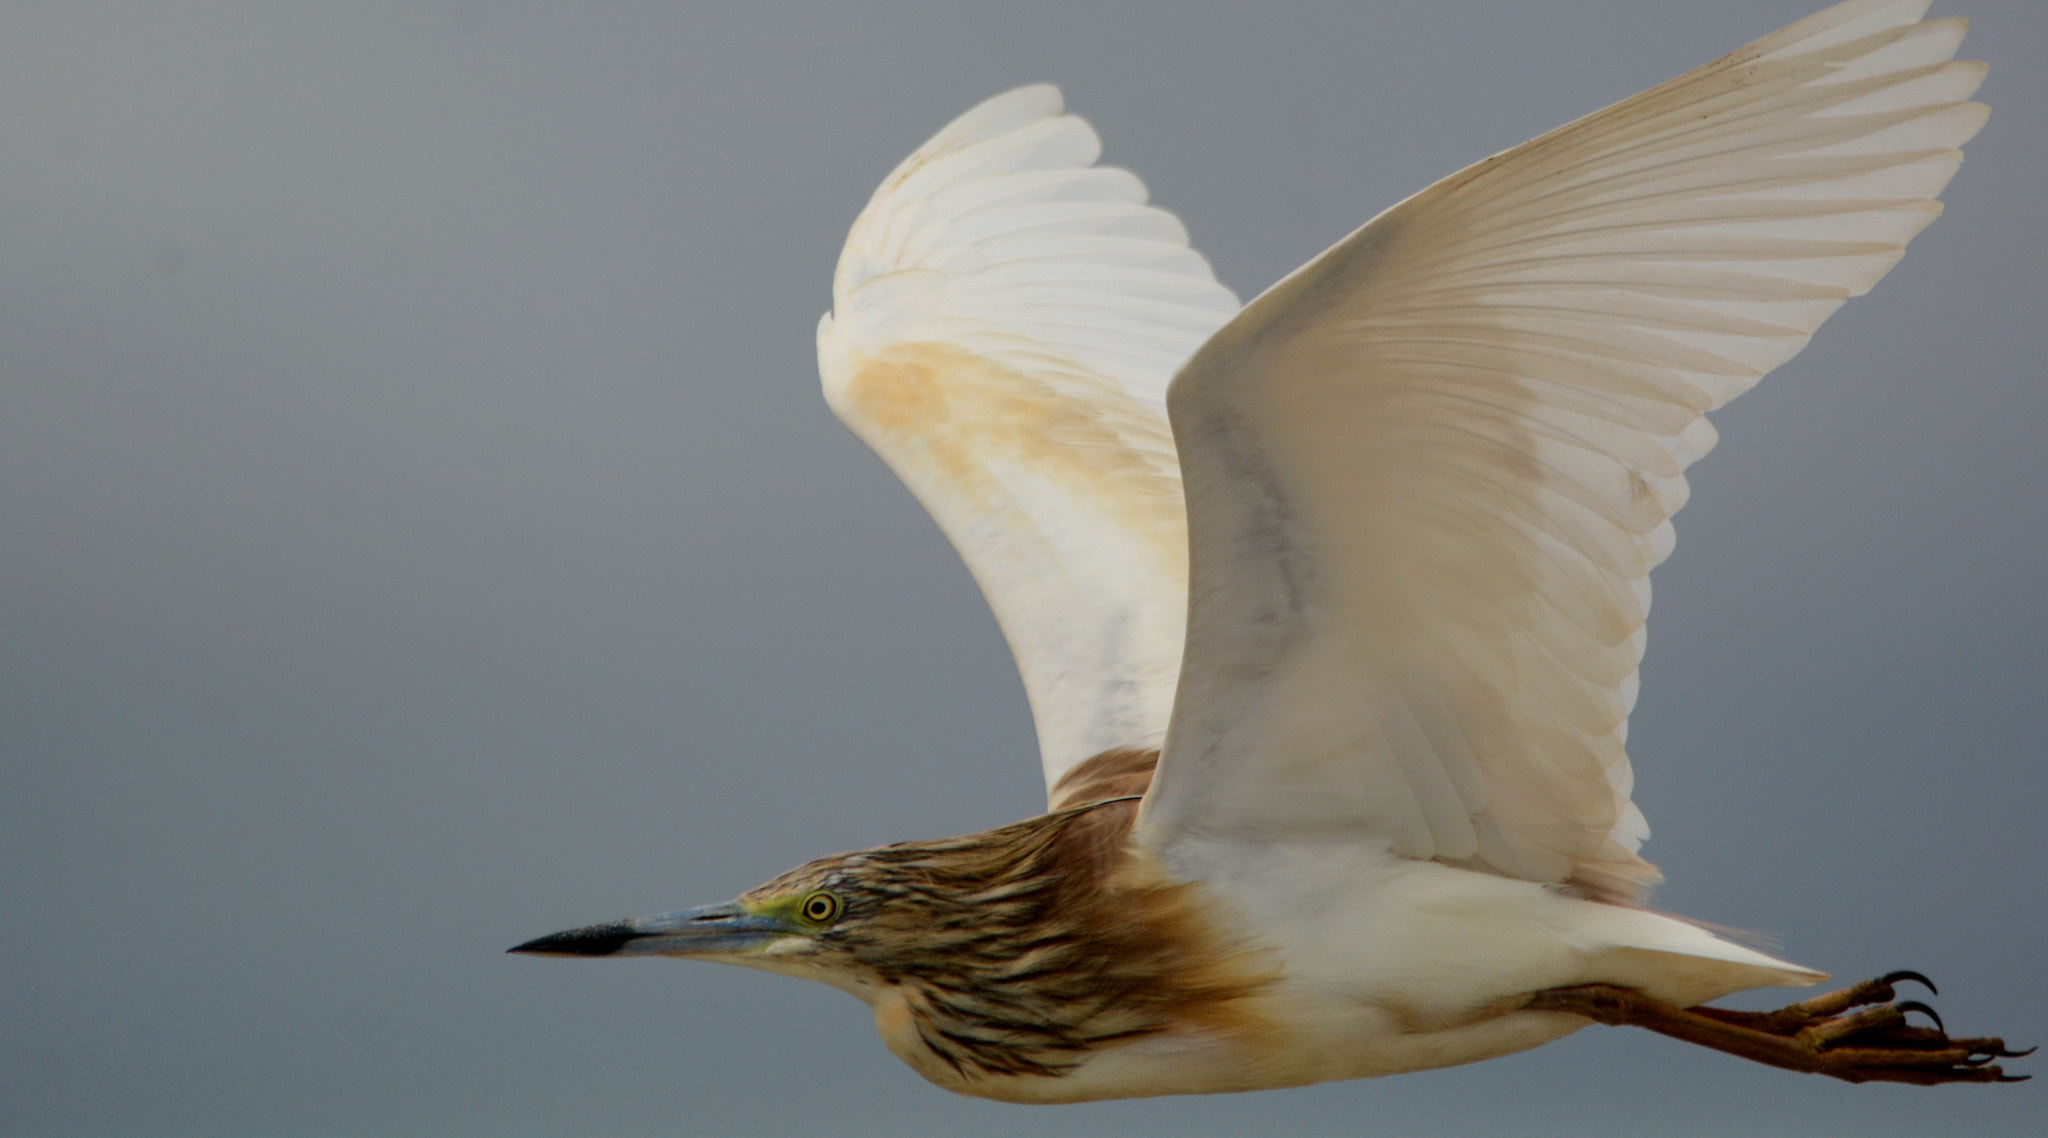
1329	607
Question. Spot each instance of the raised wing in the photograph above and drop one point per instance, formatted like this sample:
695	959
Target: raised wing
1005	318
1428	473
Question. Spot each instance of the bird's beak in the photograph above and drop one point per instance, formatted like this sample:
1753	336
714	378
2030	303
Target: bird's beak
712	930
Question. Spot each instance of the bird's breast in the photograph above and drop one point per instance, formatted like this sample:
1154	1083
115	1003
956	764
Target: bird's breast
1179	1059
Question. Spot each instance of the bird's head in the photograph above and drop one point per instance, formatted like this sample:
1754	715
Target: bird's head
817	921
1011	951
897	911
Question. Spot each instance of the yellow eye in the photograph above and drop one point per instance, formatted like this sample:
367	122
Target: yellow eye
820	908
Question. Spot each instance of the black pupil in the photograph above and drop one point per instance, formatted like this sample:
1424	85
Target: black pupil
821	907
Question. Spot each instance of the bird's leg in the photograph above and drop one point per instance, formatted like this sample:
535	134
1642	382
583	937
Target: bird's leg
1857	1034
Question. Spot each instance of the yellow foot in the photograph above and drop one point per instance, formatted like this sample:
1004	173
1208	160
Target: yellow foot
1823	1035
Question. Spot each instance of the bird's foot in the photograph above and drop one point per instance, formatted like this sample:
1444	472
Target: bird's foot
1858	1034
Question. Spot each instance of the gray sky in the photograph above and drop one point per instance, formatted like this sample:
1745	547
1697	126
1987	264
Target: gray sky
420	531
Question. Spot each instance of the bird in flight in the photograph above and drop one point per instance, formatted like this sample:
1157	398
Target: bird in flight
1330	606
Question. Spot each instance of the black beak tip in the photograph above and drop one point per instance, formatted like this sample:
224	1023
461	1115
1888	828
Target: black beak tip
591	940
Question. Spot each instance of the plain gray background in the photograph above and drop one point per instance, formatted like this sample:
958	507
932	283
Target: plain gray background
420	531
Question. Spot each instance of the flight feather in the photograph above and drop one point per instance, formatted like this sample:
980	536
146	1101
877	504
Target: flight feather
1428	473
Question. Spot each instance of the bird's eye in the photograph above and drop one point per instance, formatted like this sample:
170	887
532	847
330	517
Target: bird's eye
821	908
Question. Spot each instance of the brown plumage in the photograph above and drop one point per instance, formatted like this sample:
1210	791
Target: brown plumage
1125	772
1020	949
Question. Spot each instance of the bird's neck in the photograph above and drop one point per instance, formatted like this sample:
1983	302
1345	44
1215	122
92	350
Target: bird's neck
1051	941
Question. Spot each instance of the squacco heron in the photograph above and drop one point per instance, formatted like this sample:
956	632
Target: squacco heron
1330	607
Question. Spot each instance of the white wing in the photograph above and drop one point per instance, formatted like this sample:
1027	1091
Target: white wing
1429	472
1005	320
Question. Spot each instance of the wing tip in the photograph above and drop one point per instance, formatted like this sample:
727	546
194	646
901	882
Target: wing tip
998	115
1842	23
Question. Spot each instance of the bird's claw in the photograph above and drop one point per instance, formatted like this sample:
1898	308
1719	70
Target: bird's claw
1906	974
1917	1006
1857	1034
1874	1042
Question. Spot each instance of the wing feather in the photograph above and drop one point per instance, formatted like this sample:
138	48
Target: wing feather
1429	473
1006	316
